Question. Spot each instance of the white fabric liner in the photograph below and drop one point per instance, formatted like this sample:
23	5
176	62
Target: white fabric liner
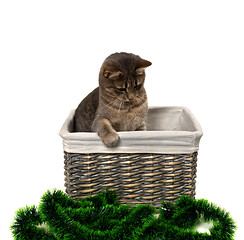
170	130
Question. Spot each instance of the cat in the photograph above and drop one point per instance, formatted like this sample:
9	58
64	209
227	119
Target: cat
120	101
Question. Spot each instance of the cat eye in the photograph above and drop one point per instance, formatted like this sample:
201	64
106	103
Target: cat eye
121	89
138	87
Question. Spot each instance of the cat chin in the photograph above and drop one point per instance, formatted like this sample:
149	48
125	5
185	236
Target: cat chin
128	101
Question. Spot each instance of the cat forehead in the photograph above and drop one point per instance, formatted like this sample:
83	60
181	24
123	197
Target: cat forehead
125	61
119	65
123	57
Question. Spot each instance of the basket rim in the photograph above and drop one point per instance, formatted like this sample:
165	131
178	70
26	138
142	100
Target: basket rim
166	142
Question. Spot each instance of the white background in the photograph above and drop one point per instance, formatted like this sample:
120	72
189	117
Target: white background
50	55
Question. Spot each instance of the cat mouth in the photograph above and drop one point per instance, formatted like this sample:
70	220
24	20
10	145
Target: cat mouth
128	101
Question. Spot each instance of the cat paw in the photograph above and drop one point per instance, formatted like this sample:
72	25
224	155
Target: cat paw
142	128
111	139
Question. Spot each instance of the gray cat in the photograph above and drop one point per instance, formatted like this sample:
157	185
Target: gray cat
120	101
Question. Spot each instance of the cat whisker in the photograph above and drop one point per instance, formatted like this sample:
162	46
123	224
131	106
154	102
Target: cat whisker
109	95
107	104
139	103
120	105
113	104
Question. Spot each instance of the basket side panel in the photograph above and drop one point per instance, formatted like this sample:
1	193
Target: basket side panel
138	178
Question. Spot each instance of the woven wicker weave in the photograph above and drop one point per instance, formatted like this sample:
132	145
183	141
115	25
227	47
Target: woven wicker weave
146	166
138	178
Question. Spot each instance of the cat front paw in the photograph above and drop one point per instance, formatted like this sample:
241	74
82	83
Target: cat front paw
111	139
142	128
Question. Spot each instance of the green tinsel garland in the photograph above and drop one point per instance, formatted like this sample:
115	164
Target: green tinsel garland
102	217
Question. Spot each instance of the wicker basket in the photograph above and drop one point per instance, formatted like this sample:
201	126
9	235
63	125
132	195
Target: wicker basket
146	167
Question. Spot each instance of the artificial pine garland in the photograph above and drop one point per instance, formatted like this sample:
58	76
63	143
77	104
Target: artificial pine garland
102	217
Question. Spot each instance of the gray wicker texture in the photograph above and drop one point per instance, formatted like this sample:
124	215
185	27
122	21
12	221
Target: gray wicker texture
138	178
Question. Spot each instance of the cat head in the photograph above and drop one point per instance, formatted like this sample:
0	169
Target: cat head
122	76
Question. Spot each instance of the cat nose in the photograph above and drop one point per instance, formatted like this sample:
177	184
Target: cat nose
130	95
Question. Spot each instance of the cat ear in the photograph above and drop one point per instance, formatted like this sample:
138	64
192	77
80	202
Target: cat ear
142	64
109	74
